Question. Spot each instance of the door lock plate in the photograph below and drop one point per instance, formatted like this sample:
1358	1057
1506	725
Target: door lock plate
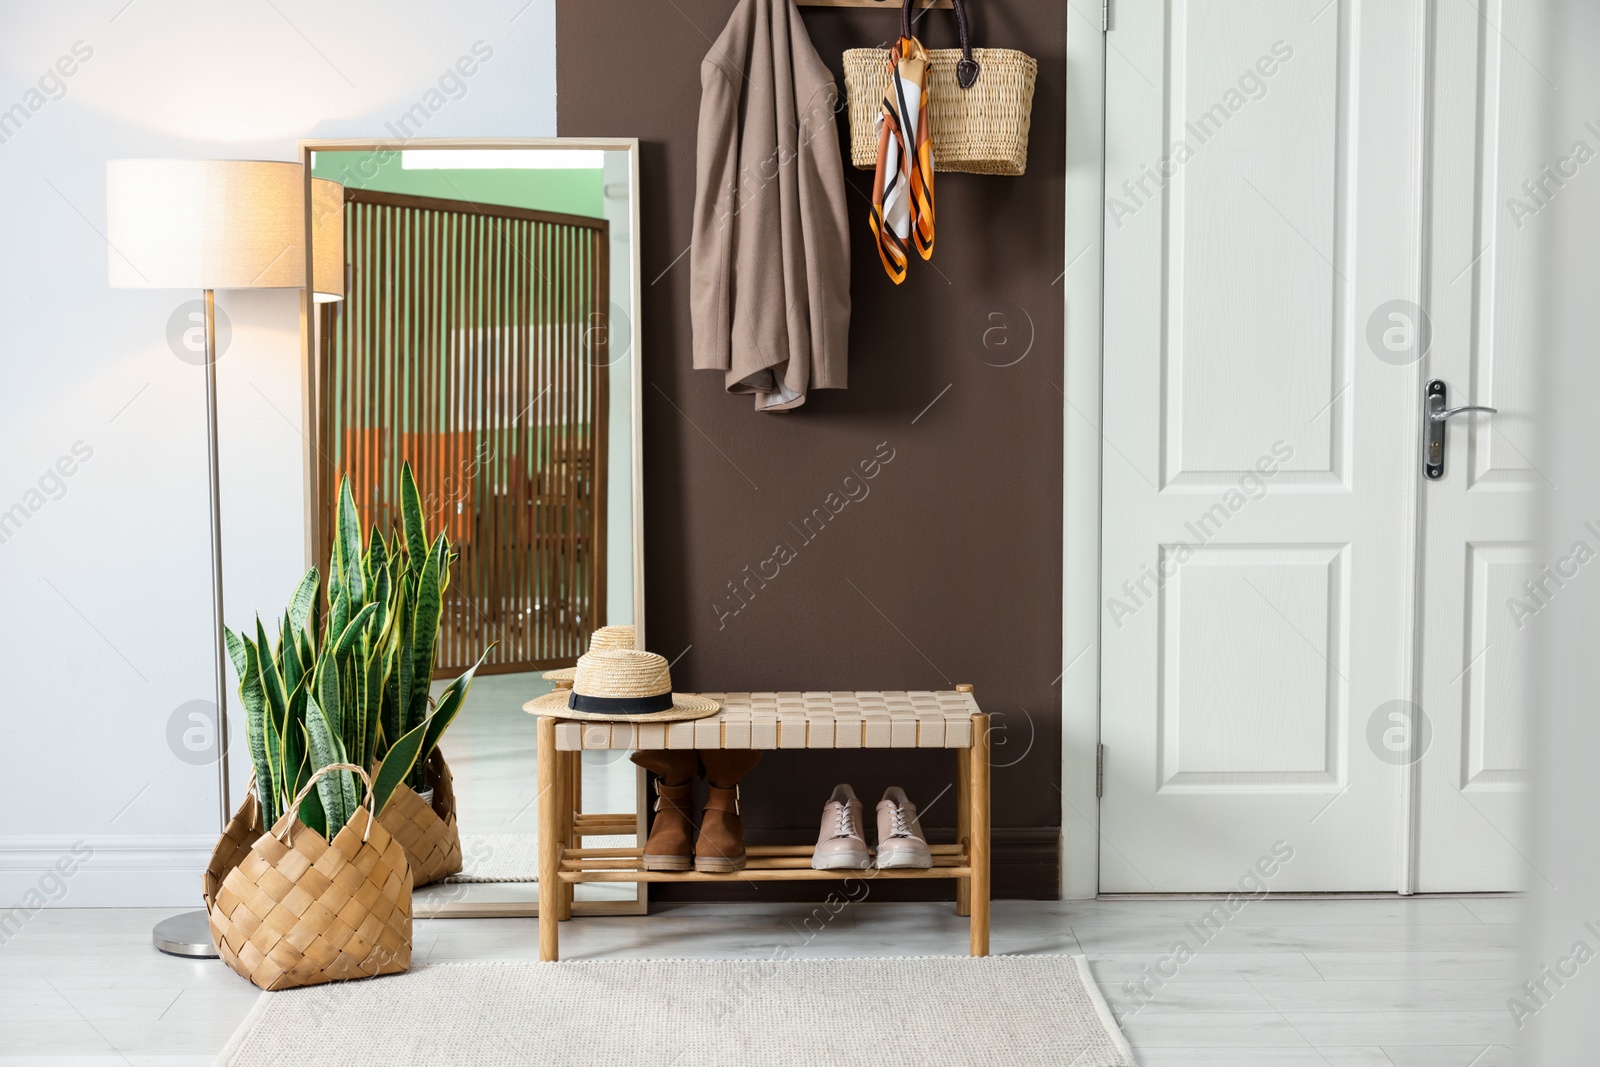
1433	458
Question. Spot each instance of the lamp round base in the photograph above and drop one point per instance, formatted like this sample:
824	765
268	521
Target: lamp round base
188	934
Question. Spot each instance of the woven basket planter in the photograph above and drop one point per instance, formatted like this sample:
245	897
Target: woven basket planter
292	909
427	832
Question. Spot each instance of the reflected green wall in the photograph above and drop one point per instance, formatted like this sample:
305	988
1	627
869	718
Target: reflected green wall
575	192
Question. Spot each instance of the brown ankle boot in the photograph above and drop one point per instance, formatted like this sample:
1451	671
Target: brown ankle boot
720	847
670	844
668	847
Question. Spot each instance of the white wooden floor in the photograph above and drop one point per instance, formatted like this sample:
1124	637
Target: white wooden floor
1335	983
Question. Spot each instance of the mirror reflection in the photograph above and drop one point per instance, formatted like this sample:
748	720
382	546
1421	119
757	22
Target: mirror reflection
486	338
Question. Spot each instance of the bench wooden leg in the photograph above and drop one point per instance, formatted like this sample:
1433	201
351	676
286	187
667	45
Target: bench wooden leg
569	823
964	824
978	828
547	780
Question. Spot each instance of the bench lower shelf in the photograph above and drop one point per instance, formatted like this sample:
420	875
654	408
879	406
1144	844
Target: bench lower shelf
767	863
754	873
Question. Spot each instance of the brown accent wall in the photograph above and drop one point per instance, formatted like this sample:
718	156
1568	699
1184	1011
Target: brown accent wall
949	570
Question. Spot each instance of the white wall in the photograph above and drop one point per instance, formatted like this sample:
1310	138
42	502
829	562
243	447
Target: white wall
1560	1025
104	577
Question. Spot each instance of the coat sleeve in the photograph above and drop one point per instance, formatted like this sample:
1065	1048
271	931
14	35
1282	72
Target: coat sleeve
715	199
826	228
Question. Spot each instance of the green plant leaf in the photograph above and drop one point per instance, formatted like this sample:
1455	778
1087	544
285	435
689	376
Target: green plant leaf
347	531
290	664
411	515
353	630
310	812
382	596
350	700
235	650
272	728
308	651
358	692
336	789
293	739
302	769
395	716
326	693
425	632
377	680
376	558
335	589
255	704
313	816
339	613
396	766
304	601
271	680
450	704
396	687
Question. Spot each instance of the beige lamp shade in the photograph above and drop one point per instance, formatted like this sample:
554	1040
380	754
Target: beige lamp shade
221	224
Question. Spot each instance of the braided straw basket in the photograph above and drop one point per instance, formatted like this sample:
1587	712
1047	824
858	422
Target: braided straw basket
981	130
980	102
427	832
293	910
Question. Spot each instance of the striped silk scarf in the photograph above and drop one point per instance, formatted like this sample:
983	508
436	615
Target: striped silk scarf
902	190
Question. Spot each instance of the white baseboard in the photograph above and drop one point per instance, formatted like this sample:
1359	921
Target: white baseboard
103	870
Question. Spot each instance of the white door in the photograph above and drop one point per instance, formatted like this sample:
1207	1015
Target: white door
1263	175
1310	645
1478	612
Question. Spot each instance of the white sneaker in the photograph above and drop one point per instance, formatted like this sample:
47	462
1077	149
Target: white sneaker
900	839
841	844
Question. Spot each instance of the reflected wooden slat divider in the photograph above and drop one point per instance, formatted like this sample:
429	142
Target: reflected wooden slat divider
473	342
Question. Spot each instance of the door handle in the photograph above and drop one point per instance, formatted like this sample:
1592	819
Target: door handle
1434	400
1440	416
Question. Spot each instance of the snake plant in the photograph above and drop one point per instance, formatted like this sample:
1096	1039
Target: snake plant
347	679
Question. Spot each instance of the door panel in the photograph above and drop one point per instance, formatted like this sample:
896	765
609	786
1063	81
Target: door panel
1235	287
1246	710
1259	489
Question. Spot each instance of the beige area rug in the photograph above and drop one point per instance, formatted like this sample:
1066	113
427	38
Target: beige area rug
513	857
1015	1011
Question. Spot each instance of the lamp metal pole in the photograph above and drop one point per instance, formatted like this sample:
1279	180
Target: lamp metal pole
189	933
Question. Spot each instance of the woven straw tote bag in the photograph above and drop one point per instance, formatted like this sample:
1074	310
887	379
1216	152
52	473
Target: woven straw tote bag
426	831
291	909
980	103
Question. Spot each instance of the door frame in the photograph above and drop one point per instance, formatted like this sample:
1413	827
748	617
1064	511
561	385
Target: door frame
1083	293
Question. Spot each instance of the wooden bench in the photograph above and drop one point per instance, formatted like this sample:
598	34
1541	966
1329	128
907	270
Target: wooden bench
945	719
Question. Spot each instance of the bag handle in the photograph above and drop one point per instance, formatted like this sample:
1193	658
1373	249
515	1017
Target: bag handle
966	66
291	814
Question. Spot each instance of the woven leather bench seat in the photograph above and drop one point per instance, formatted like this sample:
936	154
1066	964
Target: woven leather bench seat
795	720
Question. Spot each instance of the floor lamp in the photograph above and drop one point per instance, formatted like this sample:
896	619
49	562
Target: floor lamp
212	224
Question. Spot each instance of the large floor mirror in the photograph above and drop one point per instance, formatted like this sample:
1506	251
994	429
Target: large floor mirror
488	336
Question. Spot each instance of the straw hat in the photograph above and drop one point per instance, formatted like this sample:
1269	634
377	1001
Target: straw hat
622	685
602	639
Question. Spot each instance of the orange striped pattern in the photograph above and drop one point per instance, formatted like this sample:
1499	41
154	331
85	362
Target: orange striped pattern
915	164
